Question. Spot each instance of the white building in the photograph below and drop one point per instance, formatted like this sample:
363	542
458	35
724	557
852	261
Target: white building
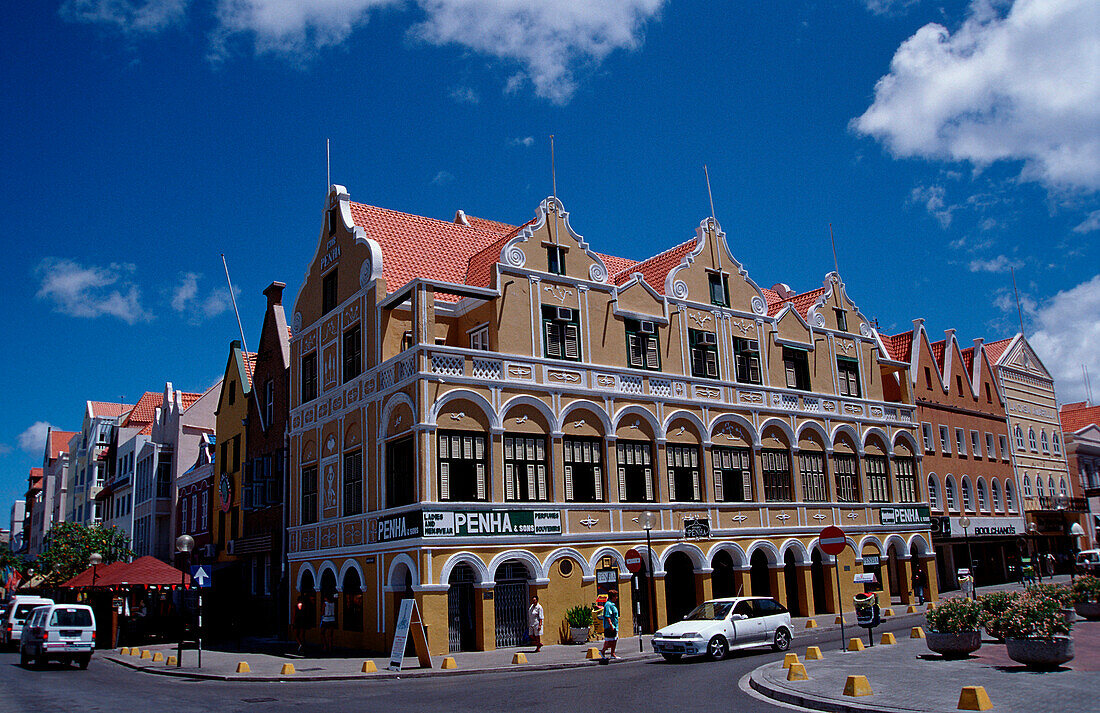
92	461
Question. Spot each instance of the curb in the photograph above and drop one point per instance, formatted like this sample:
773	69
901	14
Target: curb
814	703
363	677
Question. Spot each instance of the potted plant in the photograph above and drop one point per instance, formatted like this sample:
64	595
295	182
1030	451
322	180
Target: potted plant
1086	596
579	619
993	605
1036	631
953	628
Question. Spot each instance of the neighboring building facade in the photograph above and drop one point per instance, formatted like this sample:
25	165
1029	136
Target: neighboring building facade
261	545
480	410
117	496
35	512
967	458
16	541
195	490
1051	499
55	464
1081	435
92	460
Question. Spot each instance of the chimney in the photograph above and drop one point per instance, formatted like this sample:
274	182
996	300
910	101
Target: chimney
460	218
783	290
274	294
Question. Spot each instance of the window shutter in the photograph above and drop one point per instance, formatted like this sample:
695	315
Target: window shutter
553	340
479	448
652	359
597	478
712	364
509	482
444	481
572	342
695	485
622	484
754	368
671	483
719	494
508	448
481	481
444	450
532	493
633	351
542	482
568	482
649	484
467	448
669	455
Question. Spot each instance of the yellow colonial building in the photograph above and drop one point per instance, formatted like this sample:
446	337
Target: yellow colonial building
480	411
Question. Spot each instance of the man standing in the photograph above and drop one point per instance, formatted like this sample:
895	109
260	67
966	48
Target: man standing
610	624
536	617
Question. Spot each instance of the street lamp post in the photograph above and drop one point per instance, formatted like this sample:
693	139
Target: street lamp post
95	559
184	545
1077	532
964	522
1033	535
649	520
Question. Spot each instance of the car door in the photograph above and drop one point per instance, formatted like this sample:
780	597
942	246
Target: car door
773	614
748	630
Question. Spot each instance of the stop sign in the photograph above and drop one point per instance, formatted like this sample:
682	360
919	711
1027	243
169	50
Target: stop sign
633	560
832	541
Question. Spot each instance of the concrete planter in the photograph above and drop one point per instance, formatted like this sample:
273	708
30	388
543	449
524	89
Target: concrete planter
1040	653
1088	610
578	634
954	646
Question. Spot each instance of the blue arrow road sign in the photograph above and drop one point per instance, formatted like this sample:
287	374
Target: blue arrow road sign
200	575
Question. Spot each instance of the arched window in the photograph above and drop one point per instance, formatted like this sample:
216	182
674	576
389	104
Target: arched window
965	494
995	487
1031	439
1010	497
1039	486
1050	483
982	499
1019	438
949	493
933	492
1057	444
1062	488
1043	439
1027	486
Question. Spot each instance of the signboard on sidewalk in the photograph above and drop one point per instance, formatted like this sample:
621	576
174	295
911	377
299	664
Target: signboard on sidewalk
408	621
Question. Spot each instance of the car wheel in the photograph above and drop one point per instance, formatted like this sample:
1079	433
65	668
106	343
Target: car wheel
782	640
717	648
84	660
671	658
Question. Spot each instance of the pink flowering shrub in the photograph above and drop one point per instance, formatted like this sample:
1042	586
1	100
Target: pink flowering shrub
1032	615
954	616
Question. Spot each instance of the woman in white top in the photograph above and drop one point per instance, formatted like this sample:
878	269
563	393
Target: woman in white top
328	622
536	618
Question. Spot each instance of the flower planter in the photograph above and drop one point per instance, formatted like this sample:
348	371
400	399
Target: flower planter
1088	610
578	634
954	646
1041	653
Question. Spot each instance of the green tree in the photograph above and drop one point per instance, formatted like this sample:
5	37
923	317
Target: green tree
9	561
69	545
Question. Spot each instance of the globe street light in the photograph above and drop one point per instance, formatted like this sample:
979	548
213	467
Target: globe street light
184	545
648	522
1077	532
964	522
95	559
1033	536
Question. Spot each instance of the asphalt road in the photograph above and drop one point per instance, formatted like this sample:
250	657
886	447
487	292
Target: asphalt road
630	686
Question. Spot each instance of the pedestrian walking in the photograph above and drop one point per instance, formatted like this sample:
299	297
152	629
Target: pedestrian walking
303	620
610	618
918	583
536	619
328	622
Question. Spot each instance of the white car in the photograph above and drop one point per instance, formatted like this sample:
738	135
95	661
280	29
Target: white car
717	626
64	632
16	614
1088	562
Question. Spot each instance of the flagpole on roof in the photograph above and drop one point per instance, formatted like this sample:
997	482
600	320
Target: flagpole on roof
1019	310
244	344
713	219
832	241
554	184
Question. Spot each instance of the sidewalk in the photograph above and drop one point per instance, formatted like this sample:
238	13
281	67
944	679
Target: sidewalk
908	677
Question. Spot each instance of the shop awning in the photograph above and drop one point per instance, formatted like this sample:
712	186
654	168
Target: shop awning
144	571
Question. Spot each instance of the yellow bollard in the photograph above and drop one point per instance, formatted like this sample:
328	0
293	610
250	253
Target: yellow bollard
519	658
911	610
857	686
170	661
974	698
124	651
797	672
158	657
813	653
369	667
811	624
916	633
789	659
287	669
242	667
448	663
855	644
593	653
147	654
888	638
839	619
887	612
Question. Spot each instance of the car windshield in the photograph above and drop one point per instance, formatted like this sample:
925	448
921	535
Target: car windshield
71	617
709	611
23	611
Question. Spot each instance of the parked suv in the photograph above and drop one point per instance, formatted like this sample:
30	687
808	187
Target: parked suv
65	632
16	614
719	625
1088	562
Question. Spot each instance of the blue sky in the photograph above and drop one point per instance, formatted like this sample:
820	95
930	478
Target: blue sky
945	142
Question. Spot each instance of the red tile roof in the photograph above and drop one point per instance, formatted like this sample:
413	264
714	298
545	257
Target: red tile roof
189	397
994	350
655	269
249	365
938	350
109	409
145	411
148	571
616	264
771	295
490	226
899	346
1076	416
968	359
59	442
802	302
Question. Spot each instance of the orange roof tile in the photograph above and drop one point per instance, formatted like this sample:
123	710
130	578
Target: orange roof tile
187	398
249	365
968	359
994	350
616	264
59	442
145	410
108	409
655	269
899	346
802	302
1078	415
938	350
490	226
771	295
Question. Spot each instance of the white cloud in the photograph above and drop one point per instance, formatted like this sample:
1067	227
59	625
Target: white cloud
187	301
1005	86
1090	223
33	440
442	178
544	42
888	7
932	199
465	95
1068	335
998	264
526	141
91	291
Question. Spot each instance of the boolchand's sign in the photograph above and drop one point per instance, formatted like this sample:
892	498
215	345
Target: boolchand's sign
989	527
905	516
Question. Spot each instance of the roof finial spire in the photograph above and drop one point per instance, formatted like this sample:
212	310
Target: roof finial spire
832	240
554	185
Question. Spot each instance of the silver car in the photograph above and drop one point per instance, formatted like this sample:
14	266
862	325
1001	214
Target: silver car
63	632
717	626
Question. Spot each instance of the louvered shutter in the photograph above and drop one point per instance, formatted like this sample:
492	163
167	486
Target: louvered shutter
712	364
622	484
481	481
568	482
542	482
695	485
553	340
509	482
716	460
572	342
479	448
598	482
444	447
444	481
649	484
531	491
652	358
467	448
530	448
508	449
670	451
633	350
